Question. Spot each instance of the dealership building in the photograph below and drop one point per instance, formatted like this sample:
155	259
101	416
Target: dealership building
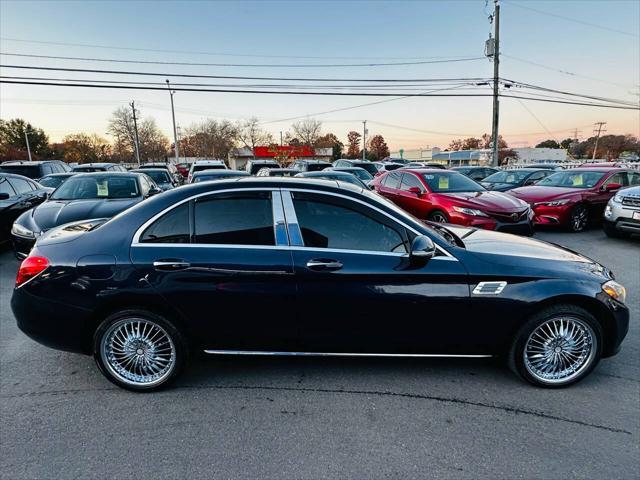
238	157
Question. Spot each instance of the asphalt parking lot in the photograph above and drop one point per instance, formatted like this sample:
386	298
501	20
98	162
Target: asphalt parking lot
322	418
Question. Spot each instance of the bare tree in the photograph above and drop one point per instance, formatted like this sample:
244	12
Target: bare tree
153	143
251	135
308	131
209	138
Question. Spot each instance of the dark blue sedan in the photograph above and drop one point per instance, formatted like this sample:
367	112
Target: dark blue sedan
301	267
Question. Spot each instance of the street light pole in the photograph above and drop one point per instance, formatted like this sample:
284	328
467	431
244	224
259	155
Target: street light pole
26	137
173	117
364	140
495	161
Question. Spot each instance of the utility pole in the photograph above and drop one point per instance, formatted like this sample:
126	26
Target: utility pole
496	78
364	140
598	128
26	137
280	137
135	129
173	117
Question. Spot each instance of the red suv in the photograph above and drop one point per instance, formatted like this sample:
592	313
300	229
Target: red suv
571	198
449	197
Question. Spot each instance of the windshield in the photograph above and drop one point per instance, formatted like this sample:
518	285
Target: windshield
316	167
89	169
572	179
514	177
361	174
451	182
160	176
255	167
368	166
279	172
94	187
52	182
215	176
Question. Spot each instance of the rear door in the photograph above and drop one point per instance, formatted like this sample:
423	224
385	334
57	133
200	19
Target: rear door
357	292
223	261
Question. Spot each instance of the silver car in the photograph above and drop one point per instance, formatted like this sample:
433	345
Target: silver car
622	214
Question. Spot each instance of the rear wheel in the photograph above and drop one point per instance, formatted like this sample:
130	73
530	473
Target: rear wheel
139	350
578	218
557	347
438	217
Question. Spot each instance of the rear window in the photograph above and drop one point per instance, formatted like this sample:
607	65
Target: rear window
256	167
90	169
368	166
315	167
198	168
173	227
31	171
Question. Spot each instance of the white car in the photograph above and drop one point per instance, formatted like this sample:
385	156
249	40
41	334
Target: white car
199	165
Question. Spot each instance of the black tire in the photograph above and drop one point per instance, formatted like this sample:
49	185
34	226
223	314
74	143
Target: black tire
579	218
438	216
167	350
611	231
523	368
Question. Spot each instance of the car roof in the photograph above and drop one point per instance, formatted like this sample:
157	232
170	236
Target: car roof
28	162
424	170
94	164
469	166
111	174
207	162
64	174
596	169
264	161
313	161
145	170
324	172
345	169
15	175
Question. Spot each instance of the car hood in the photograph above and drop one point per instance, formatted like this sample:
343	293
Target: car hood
498	187
542	194
524	254
58	212
491	201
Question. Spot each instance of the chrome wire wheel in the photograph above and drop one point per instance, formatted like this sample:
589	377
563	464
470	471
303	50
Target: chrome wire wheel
138	352
579	218
560	349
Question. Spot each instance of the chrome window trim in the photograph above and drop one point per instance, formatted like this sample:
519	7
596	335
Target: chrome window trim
279	223
136	237
294	226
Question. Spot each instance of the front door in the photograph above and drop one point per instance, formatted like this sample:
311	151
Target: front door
357	292
222	260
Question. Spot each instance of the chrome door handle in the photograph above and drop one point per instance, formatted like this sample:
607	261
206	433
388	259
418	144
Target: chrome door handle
324	265
171	265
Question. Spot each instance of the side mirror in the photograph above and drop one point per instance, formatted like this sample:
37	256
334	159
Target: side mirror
422	248
154	191
415	190
4	196
612	186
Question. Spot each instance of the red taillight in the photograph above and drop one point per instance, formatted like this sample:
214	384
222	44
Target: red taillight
29	268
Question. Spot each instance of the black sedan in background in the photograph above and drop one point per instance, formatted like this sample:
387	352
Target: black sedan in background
55	179
161	176
263	266
84	196
505	180
17	195
476	173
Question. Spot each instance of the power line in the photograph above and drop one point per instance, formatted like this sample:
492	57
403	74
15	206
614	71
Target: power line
537	120
566	72
215	54
571	19
247	65
288	92
236	77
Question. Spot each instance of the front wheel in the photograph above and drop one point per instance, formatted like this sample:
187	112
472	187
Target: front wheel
438	217
611	231
557	347
578	218
139	350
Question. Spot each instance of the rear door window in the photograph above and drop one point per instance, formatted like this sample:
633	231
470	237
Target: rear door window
409	180
5	187
242	218
21	186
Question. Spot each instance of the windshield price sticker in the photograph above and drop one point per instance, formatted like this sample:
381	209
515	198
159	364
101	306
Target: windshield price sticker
443	182
103	189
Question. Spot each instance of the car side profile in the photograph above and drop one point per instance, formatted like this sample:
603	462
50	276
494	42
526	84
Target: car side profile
445	196
573	198
142	290
17	195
